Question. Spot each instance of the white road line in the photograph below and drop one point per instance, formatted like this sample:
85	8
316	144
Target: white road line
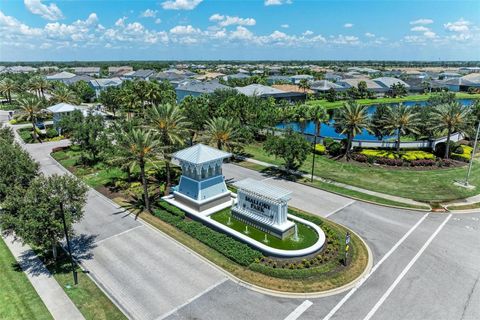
385	257
339	209
404	271
267	179
192	299
299	310
118	234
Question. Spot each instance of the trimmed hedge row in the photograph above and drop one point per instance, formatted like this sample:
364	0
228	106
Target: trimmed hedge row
172	209
229	247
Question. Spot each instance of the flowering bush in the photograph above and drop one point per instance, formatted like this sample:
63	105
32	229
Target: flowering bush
423	163
390	162
320	149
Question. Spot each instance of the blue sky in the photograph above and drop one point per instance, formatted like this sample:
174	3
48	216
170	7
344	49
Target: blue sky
246	30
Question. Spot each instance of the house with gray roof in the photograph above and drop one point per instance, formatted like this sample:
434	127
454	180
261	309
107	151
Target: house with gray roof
371	85
459	84
89	71
196	88
60	76
299	77
325	85
140	74
388	82
75	79
262	91
101	84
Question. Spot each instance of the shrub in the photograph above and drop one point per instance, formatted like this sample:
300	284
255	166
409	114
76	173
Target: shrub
327	142
360	157
320	149
229	247
423	163
445	163
463	153
13	121
51	133
390	161
335	149
172	209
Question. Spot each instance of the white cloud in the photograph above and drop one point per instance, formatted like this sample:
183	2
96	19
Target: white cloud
461	26
341	39
216	17
10	26
180	4
276	2
158	21
285	26
225	21
121	22
369	35
348	25
419	29
430	34
241	33
184	30
50	12
307	33
149	13
422	21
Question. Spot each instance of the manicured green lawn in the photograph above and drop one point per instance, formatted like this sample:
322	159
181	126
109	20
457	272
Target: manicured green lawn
307	236
18	298
427	185
89	299
416	97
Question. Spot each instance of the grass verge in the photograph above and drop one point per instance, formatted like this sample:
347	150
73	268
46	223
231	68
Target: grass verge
89	299
470	206
420	185
18	298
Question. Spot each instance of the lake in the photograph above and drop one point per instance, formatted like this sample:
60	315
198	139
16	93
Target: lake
328	130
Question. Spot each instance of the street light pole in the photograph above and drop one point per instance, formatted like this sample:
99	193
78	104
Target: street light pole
75	278
473	154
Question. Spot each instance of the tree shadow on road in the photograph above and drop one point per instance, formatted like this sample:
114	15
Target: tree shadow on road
82	246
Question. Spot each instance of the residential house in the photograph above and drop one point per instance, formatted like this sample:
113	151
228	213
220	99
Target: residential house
371	85
101	84
140	74
325	85
61	76
296	79
266	92
118	71
388	82
87	71
196	88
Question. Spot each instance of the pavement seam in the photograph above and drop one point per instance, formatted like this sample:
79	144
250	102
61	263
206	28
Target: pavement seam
384	258
169	313
340	209
406	269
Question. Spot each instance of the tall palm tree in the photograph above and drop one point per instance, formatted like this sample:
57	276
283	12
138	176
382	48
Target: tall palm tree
304	85
319	115
65	95
33	85
301	116
222	132
31	107
7	86
399	120
172	128
450	117
351	120
138	147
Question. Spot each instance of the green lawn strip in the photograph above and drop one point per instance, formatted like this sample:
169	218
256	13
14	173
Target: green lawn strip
89	299
18	298
419	185
475	205
416	97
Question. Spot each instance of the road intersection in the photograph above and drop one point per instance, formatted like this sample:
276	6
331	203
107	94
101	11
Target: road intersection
426	265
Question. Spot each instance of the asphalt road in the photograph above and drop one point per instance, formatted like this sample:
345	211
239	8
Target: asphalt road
426	266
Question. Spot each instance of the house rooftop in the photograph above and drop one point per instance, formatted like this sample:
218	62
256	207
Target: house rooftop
200	153
201	87
258	90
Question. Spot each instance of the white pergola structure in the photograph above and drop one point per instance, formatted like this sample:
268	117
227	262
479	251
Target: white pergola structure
202	185
264	206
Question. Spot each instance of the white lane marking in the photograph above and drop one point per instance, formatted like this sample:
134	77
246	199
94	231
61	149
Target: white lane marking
192	299
299	310
269	178
404	271
385	257
118	234
339	209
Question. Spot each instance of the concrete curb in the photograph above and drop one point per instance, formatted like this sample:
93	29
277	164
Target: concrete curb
235	279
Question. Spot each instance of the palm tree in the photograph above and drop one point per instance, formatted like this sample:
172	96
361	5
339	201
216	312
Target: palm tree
32	107
450	117
7	86
172	128
319	115
138	147
351	120
301	116
223	132
65	95
303	84
400	120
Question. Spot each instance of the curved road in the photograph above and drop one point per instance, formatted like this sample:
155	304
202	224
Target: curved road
426	265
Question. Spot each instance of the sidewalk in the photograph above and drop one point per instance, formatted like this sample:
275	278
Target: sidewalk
55	299
345	186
